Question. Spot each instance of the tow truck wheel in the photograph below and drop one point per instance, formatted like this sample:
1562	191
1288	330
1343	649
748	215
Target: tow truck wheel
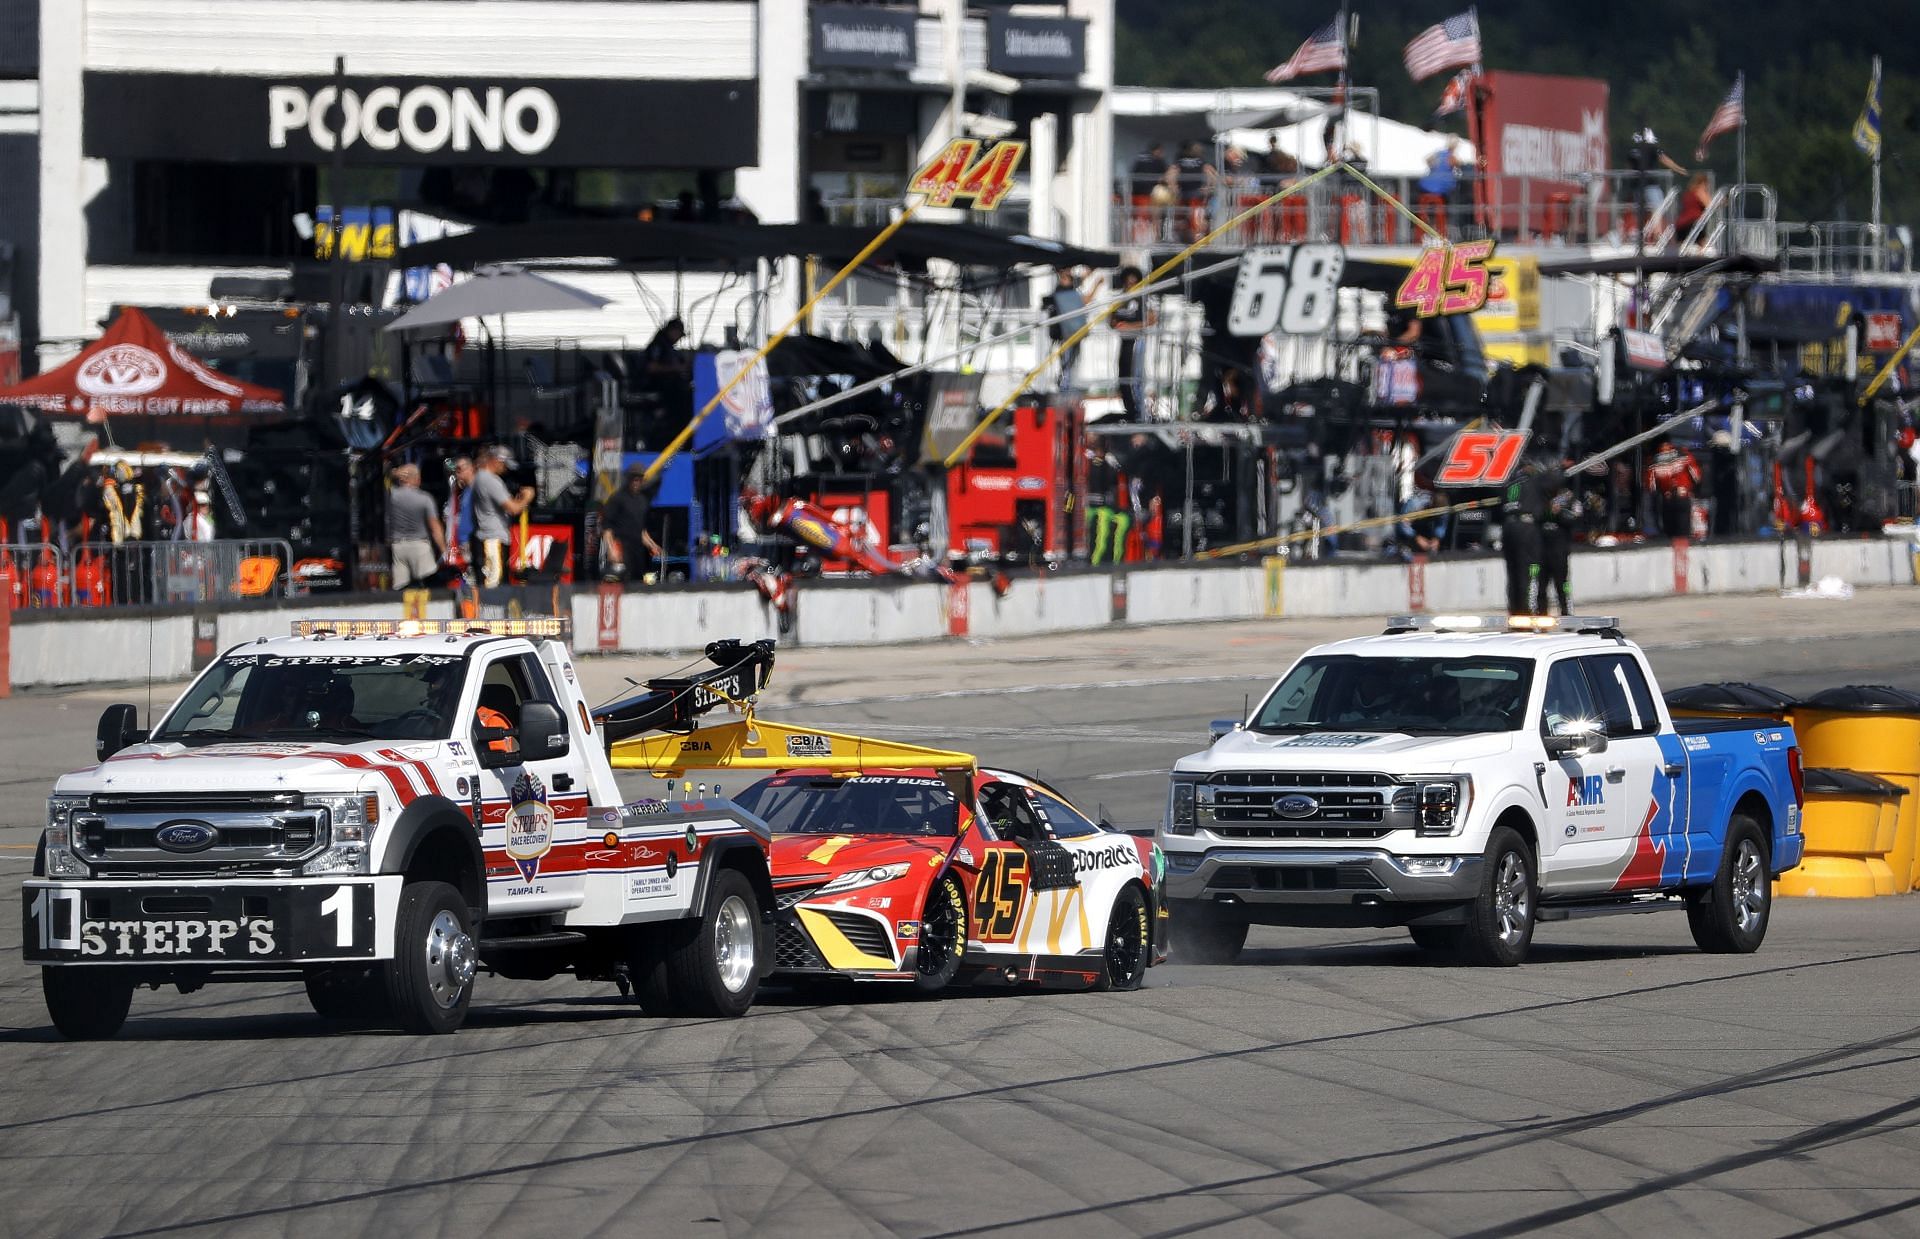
1730	917
1499	924
1202	935
713	969
1129	943
86	1004
429	981
347	995
943	937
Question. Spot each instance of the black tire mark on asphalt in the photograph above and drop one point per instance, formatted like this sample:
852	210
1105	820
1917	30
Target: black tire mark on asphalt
626	1150
1870	1215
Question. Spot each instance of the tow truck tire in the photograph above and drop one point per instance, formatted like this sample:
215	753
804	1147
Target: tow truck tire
1203	936
1129	943
1730	917
943	937
347	995
713	965
429	980
87	1004
1500	919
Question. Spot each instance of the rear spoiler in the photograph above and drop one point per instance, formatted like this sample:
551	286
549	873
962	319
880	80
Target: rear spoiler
673	703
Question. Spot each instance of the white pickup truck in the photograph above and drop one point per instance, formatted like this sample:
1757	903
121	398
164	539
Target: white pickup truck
1467	777
379	809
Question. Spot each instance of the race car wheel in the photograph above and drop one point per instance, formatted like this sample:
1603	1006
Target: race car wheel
429	981
87	1004
347	995
943	937
1730	917
713	965
1129	943
1500	920
1202	935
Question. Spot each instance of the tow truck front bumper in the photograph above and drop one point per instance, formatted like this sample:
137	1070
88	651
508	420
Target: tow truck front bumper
227	923
1311	886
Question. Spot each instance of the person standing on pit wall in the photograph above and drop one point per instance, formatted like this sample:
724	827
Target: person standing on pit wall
1129	320
1066	297
1520	517
457	517
629	547
415	537
1108	519
493	507
1556	539
1672	477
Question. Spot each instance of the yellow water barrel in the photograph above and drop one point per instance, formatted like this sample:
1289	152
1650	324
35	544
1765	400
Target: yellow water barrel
1731	698
1843	821
1871	729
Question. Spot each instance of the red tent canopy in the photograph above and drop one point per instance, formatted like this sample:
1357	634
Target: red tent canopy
135	370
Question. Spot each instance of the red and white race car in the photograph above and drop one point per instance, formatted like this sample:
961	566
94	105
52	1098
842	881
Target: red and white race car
937	877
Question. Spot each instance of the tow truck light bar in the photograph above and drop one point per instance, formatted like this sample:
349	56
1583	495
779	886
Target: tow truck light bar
1503	623
529	626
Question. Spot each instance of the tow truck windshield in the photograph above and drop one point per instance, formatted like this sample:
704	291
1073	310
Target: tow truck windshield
868	804
319	697
1416	696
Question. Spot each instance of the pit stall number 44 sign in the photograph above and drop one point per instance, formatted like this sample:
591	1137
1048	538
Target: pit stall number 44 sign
962	171
1291	289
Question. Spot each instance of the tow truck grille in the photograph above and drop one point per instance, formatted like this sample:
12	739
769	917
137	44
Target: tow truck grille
1293	878
118	834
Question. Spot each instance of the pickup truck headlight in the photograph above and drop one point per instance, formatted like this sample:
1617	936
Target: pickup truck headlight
1442	802
353	818
864	877
1180	807
61	861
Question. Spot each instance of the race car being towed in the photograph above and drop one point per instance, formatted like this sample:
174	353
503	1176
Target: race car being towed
982	877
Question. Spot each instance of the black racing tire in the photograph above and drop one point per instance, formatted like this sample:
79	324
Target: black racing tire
712	966
1501	918
1439	939
348	995
1129	943
943	937
1201	934
429	980
1730	917
87	1004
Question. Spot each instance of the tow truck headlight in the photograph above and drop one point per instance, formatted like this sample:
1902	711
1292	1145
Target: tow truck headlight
353	818
1180	807
864	877
61	861
1442	804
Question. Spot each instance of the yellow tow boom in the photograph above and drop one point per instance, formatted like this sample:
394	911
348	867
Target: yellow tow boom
753	743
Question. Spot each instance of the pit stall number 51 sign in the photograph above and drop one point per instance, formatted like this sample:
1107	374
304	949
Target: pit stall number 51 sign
1291	289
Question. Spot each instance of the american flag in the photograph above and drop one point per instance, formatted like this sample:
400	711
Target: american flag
1325	52
1452	44
1729	115
1454	97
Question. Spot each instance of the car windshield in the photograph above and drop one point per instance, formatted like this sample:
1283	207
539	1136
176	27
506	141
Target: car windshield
1421	696
260	696
868	804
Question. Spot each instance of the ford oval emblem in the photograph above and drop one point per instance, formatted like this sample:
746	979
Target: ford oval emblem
185	836
1297	805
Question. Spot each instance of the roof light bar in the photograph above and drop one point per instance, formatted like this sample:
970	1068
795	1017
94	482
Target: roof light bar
1503	623
526	626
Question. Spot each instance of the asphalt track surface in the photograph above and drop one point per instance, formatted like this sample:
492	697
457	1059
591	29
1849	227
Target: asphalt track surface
1330	1083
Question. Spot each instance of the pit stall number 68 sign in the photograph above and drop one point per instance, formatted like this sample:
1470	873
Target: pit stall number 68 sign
1291	289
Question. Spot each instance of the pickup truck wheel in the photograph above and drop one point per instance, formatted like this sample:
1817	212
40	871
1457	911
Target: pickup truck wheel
1201	935
1730	917
1499	924
1129	943
429	981
713	968
943	937
87	1004
348	995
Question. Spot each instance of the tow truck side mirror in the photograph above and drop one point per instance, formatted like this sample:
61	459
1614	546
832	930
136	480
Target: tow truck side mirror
495	747
543	733
119	728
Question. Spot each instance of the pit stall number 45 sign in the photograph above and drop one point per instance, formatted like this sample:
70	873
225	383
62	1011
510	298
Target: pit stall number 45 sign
1291	289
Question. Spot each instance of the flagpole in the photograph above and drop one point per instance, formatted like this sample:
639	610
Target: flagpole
1880	134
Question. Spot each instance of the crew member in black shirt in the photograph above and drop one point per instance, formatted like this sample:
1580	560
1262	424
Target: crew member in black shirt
628	544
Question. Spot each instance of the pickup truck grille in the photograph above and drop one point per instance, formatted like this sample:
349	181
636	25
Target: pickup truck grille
119	834
1300	832
1327	805
1293	878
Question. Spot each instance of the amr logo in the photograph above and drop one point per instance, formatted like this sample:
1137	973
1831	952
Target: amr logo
1586	790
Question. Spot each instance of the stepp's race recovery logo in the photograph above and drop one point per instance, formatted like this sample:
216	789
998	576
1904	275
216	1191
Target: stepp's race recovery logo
529	824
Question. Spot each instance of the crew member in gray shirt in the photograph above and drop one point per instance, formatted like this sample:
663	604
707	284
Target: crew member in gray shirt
493	507
413	529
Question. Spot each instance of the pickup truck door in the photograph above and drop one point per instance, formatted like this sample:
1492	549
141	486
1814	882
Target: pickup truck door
1584	822
1645	771
534	810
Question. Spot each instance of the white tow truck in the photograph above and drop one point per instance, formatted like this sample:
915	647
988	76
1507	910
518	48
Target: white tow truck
1467	777
382	808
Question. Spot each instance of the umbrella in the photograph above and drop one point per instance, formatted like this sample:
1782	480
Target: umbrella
495	290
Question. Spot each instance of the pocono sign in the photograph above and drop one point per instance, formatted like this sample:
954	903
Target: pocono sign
423	118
